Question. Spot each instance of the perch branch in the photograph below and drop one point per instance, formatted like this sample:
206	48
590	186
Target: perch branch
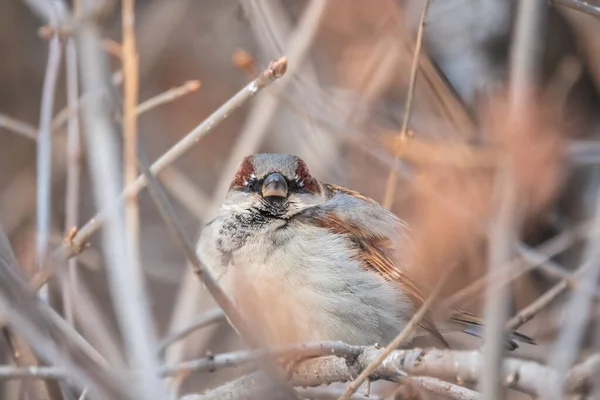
342	363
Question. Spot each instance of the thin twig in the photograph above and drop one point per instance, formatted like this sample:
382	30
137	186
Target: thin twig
580	6
73	173
205	319
390	191
502	239
535	307
19	127
526	54
44	146
63	115
168	96
187	193
130	133
398	340
125	280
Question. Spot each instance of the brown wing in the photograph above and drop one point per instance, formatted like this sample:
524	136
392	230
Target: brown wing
341	189
376	254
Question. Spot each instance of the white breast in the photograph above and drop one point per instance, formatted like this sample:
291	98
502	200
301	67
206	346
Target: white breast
302	283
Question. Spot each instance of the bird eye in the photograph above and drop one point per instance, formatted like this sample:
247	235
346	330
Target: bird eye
252	184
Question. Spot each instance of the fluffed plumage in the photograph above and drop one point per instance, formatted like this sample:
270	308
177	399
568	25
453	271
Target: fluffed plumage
313	261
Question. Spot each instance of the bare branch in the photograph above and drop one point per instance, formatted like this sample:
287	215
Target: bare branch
130	130
125	280
453	366
205	319
502	238
578	309
74	155
580	6
19	127
44	144
168	96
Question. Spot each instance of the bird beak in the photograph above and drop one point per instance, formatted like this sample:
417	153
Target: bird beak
275	185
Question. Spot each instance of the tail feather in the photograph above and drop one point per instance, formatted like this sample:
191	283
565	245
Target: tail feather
474	326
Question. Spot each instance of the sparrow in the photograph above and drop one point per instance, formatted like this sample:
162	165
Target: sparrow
311	261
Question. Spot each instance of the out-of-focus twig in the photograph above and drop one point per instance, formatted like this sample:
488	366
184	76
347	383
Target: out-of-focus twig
526	54
565	349
535	307
74	154
207	318
580	6
126	281
44	142
168	96
19	127
398	340
186	192
502	276
524	64
130	132
390	190
502	238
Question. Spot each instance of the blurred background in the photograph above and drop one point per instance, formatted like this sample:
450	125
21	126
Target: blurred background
340	107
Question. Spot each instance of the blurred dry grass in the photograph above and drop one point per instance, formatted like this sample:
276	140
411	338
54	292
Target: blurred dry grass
341	112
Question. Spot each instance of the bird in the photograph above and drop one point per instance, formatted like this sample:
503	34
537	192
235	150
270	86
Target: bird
312	261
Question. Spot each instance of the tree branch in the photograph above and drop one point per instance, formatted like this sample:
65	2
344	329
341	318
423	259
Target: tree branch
348	361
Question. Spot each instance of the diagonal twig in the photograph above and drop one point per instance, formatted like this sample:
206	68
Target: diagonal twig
580	6
390	190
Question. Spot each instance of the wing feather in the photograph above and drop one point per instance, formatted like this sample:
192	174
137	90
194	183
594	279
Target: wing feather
376	254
